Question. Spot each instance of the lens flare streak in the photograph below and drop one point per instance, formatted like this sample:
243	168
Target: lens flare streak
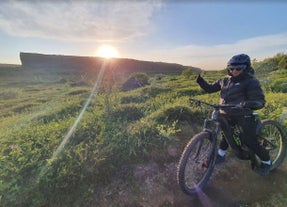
73	128
204	199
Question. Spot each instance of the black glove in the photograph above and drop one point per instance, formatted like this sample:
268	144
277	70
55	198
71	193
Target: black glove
239	109
252	104
199	79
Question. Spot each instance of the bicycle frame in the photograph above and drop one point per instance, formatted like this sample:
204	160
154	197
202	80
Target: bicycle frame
214	119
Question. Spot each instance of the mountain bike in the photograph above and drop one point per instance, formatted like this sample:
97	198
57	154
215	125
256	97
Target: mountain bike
198	158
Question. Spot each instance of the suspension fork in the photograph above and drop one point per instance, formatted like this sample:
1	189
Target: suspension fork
213	139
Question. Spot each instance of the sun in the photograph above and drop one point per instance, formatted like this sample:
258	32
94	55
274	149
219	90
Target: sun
107	51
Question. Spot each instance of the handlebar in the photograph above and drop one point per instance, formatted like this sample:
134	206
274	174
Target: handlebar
216	106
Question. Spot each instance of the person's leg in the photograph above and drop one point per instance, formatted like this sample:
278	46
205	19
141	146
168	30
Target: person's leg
248	129
223	145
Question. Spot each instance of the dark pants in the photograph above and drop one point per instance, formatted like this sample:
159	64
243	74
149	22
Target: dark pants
247	125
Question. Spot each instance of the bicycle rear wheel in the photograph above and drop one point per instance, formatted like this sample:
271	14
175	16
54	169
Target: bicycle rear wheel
271	136
196	163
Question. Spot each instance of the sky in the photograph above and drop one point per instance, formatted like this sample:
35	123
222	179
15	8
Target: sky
194	33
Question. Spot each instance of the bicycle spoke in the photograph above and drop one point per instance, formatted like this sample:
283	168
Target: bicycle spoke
195	166
271	137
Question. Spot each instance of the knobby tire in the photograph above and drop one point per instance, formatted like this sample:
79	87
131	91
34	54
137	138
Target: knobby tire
272	137
196	163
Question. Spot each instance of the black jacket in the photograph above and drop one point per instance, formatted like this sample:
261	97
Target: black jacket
243	89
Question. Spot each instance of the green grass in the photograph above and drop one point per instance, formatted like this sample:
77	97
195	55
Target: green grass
118	129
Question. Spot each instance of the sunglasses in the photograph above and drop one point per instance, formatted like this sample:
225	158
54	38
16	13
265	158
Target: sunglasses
236	67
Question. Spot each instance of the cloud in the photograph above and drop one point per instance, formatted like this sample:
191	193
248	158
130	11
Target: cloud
216	56
73	20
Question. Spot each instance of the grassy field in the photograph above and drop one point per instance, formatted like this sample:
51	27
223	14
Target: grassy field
60	143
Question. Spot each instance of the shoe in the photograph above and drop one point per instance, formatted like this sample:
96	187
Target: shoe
219	159
263	169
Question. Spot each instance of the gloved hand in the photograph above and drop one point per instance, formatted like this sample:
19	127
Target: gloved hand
252	104
240	109
199	79
243	104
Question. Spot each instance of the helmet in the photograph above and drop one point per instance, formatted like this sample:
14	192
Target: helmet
239	60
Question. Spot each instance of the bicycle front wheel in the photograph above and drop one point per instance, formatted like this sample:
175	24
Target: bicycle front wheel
196	163
271	136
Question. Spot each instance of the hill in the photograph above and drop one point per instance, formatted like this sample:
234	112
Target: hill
117	65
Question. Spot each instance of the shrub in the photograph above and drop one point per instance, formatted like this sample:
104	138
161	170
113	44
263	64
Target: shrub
283	62
135	80
187	73
265	67
147	139
275	103
279	85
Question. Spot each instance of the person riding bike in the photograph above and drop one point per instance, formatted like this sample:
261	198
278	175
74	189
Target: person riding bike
244	90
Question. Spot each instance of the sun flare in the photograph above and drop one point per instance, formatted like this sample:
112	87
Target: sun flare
107	51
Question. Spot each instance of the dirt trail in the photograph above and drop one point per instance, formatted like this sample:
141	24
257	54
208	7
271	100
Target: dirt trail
234	184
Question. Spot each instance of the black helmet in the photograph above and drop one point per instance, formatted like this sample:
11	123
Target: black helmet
240	60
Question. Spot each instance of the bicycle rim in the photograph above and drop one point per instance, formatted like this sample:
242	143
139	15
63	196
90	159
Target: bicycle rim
196	163
271	136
